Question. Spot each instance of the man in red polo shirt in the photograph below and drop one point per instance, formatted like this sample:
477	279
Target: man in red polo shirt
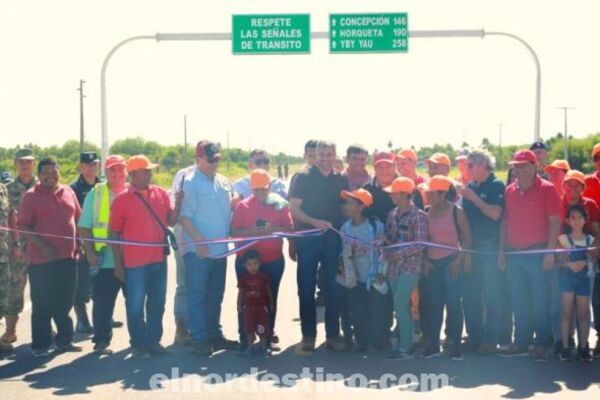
50	208
531	221
592	190
141	213
261	214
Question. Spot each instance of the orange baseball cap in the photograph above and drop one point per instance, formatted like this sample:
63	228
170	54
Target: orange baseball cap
574	175
408	154
438	183
401	185
361	195
114	160
439	158
260	179
138	162
558	164
595	150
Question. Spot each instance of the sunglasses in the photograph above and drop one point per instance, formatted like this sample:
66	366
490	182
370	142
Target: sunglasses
212	160
262	161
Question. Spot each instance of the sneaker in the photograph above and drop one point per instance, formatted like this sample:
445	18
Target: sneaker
40	353
275	339
431	352
274	348
540	354
456	353
399	355
202	348
336	344
308	344
158	350
102	348
584	353
222	343
68	348
514	351
84	328
140	353
565	355
487	350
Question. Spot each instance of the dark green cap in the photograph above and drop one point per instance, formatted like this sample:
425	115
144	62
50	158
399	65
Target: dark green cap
24	154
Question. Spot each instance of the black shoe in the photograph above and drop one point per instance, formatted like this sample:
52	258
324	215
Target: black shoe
222	343
202	348
84	327
565	355
399	355
558	349
140	353
584	354
116	324
431	352
158	350
456	353
68	348
102	348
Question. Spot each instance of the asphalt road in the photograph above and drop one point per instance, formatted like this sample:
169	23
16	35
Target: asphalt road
288	374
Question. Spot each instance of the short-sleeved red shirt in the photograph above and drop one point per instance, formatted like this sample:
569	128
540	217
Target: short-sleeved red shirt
592	187
130	217
245	216
527	213
593	214
254	289
54	213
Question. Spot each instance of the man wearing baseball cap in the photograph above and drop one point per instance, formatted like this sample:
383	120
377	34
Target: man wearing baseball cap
438	164
206	215
25	179
406	162
592	191
93	224
88	169
556	173
405	223
541	153
531	222
141	213
258	159
262	213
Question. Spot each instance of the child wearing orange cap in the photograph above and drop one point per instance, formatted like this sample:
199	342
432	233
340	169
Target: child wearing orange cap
361	272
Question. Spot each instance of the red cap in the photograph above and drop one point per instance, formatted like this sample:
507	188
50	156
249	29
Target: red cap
384	156
114	160
522	157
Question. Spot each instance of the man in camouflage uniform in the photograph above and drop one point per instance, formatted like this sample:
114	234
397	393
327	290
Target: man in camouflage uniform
4	274
17	268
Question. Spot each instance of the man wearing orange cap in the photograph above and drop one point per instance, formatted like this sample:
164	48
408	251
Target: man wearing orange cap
406	162
260	214
556	173
93	223
405	223
592	190
141	213
531	221
438	164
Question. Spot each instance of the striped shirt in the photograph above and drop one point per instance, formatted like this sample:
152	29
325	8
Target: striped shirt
410	226
50	212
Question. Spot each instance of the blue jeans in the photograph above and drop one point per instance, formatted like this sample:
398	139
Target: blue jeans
146	285
555	301
443	289
529	296
324	249
180	301
274	271
205	283
482	295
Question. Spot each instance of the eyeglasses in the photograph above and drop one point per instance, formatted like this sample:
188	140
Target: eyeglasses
212	160
262	161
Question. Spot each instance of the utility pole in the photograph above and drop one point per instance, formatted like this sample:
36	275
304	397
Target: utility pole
566	132
185	142
81	131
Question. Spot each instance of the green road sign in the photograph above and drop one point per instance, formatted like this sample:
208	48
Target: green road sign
271	34
368	33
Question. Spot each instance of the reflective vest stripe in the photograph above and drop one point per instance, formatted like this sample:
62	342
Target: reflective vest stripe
101	214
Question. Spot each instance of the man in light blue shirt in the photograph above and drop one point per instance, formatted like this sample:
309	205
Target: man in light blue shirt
205	215
259	159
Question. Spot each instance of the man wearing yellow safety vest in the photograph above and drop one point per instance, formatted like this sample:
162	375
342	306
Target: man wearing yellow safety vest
94	224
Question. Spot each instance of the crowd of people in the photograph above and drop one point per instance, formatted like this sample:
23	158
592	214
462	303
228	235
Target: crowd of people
396	256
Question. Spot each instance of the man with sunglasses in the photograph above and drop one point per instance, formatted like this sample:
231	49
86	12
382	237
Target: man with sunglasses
206	215
592	191
258	159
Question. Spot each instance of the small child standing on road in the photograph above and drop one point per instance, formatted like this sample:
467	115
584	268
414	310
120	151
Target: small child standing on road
255	303
575	282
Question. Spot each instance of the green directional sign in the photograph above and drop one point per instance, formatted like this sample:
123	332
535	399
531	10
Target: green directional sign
271	34
368	33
